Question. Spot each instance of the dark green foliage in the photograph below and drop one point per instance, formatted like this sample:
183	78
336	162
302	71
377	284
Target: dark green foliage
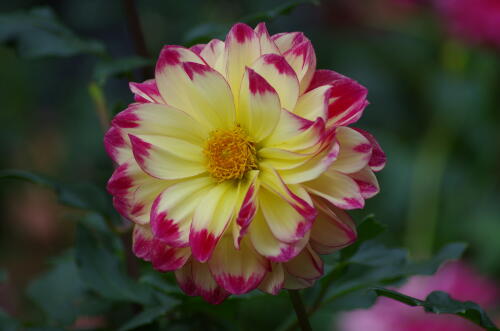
441	303
38	32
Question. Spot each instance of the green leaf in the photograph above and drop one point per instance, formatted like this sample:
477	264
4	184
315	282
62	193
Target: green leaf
204	32
62	295
373	264
118	67
38	33
103	270
367	230
441	303
272	14
83	196
147	316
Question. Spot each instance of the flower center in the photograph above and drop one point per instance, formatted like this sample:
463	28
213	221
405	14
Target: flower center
230	154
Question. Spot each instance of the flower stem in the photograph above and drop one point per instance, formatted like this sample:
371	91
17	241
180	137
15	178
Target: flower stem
300	310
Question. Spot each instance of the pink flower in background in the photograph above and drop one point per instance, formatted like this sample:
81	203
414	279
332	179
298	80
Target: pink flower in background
455	278
476	21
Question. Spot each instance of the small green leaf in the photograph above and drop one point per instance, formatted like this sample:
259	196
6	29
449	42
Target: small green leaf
38	33
83	196
147	316
102	270
118	67
441	303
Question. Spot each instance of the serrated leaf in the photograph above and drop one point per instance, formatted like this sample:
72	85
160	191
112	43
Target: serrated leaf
441	303
103	271
82	196
106	69
38	33
376	265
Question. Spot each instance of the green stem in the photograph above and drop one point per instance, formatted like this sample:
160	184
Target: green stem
429	170
300	310
101	109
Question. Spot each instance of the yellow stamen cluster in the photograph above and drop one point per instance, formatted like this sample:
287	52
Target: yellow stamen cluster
230	154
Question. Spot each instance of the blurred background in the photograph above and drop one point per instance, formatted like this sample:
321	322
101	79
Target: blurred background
432	71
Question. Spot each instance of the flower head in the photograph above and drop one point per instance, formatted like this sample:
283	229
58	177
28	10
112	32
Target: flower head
455	278
236	163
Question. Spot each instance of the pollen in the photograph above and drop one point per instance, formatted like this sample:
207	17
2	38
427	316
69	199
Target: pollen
230	154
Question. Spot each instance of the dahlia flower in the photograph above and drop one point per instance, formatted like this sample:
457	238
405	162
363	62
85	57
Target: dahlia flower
476	21
236	163
455	278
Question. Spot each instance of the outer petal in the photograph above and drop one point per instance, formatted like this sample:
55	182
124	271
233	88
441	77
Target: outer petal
117	145
267	245
274	280
339	189
355	151
314	104
213	54
267	46
314	167
197	48
287	40
307	265
367	182
173	209
259	106
333	229
348	100
188	84
167	158
195	279
242	48
142	242
294	133
377	161
325	77
134	191
281	76
211	218
237	271
303	61
146	91
166	258
161	120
